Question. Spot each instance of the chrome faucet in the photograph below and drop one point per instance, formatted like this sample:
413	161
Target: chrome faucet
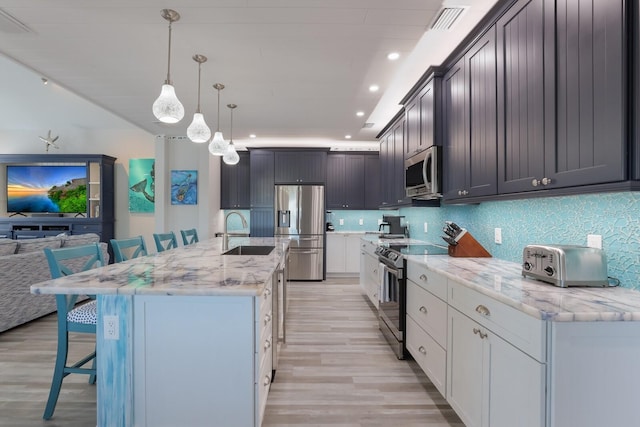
225	242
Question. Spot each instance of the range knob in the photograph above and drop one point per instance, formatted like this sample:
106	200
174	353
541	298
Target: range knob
527	266
549	270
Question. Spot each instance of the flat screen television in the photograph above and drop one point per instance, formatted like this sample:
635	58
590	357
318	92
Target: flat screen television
47	189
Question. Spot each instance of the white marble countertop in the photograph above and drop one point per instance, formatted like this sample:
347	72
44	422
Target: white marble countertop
198	269
503	281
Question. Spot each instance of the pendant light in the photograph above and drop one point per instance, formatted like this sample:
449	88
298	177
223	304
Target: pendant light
198	131
167	108
231	156
218	146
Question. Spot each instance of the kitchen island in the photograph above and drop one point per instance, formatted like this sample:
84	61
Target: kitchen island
184	336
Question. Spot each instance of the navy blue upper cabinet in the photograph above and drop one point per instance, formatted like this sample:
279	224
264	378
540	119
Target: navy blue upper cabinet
261	173
300	167
345	186
525	94
392	153
372	181
470	151
422	115
591	84
234	184
562	84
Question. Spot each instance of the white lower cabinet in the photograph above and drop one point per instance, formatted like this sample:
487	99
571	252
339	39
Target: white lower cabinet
342	253
369	271
490	382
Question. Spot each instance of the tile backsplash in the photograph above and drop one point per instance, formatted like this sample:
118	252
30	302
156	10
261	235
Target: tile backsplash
558	220
351	219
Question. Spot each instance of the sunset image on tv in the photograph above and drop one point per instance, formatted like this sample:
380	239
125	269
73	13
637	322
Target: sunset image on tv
55	189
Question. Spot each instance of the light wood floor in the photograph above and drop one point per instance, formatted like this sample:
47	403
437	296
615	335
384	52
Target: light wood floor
335	370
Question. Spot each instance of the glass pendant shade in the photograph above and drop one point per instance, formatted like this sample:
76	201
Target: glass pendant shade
168	108
198	131
231	157
218	146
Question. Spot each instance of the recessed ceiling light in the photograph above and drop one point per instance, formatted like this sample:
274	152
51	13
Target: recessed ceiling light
253	135
347	137
393	56
374	88
360	113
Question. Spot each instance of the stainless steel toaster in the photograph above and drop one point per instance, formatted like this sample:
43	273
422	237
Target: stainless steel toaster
565	265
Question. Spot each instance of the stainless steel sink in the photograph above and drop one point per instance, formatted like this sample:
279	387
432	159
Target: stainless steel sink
249	250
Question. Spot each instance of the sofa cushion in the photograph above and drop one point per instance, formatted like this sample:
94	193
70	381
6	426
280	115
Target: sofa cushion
8	247
80	239
25	246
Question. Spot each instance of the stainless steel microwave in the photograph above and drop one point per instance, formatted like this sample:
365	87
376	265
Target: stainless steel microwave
423	174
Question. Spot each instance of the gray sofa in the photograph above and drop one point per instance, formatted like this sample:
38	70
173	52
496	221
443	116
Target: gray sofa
23	263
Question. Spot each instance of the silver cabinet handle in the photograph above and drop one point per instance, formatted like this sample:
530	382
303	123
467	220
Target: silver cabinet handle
422	350
423	309
479	332
267	319
462	192
483	310
375	270
546	181
424	278
535	182
267	380
267	344
267	292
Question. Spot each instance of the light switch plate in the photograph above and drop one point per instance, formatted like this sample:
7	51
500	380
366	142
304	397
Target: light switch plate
594	241
426	227
361	221
341	221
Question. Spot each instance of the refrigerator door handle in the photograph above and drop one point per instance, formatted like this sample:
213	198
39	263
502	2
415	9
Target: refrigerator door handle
313	251
299	204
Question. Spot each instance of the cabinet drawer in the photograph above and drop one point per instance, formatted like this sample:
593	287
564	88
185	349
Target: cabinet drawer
430	356
521	330
263	383
428	311
427	279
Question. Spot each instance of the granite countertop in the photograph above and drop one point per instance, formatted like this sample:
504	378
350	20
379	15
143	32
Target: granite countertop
197	269
503	281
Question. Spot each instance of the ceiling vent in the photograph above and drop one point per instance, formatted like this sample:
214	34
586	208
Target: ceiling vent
11	25
446	18
368	125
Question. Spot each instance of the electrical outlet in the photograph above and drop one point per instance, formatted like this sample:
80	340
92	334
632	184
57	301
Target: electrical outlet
497	235
341	221
594	241
111	328
426	227
361	221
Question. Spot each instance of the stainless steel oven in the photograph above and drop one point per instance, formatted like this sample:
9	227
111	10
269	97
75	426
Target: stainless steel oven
392	299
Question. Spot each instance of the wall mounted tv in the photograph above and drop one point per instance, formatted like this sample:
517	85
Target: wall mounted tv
47	189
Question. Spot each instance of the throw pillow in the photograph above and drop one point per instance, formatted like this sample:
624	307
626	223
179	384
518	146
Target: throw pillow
8	247
80	239
25	246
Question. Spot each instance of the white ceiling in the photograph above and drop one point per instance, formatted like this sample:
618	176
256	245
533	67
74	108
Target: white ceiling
298	69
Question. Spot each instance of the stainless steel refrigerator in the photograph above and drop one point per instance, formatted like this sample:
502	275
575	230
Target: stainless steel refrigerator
299	213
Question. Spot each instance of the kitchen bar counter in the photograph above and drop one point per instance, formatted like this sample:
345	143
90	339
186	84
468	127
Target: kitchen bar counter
503	281
194	340
198	269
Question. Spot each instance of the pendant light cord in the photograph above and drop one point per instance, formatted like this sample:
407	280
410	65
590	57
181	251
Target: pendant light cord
168	81
231	130
199	71
218	110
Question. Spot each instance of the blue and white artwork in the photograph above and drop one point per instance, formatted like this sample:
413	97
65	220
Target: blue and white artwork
184	187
